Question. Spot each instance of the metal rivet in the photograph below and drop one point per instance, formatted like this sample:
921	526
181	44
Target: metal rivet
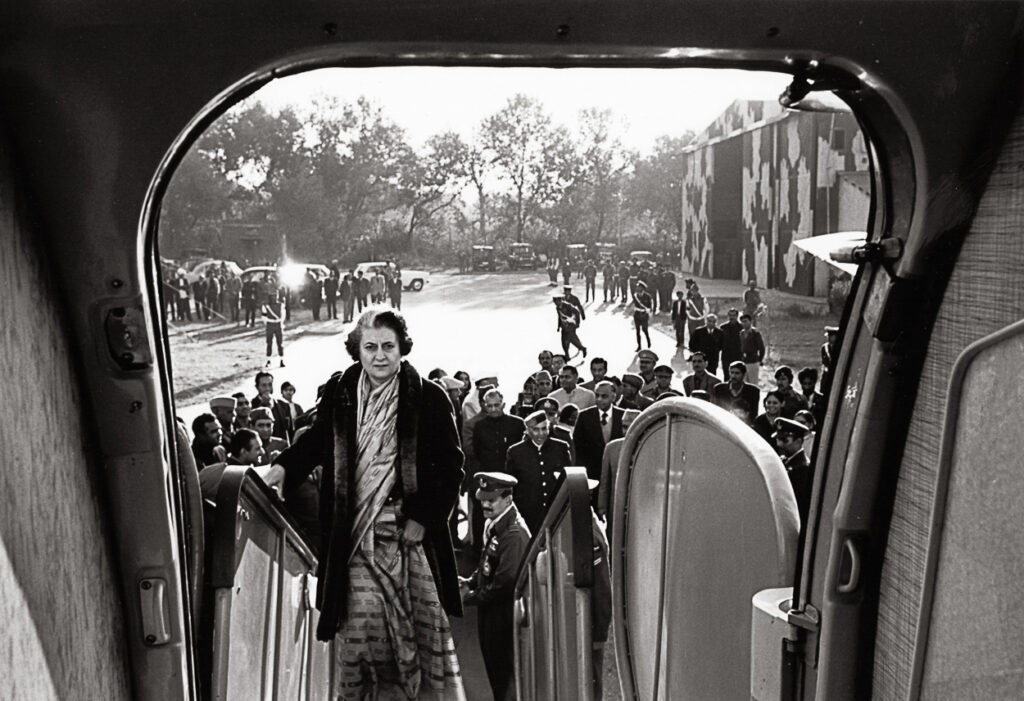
562	30
116	283
136	405
147	584
127	357
773	32
150	639
331	29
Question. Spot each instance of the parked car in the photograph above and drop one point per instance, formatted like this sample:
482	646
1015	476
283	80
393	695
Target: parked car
411	279
576	253
605	251
483	257
201	268
641	256
521	255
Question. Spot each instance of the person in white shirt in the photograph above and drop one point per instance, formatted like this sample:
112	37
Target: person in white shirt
570	392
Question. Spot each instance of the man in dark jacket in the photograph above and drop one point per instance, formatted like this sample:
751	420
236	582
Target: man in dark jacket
331	294
731	347
595	427
492	586
538	463
789	439
738	396
493	435
709	340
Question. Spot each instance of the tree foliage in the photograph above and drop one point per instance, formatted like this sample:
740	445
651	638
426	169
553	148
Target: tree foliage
341	178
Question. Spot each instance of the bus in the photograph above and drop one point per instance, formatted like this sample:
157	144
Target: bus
900	583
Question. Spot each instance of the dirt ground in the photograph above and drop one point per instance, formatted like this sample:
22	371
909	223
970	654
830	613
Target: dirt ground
212	357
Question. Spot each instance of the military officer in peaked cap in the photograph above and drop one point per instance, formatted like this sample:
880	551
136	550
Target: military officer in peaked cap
789	438
538	462
550	406
646	360
492	586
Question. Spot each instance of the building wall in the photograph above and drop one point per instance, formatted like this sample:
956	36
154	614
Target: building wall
789	189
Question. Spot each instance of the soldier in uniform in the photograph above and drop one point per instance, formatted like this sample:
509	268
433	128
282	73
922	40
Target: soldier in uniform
631	397
492	586
538	463
646	360
789	438
551	407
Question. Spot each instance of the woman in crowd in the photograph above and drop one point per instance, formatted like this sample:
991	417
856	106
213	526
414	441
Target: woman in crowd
392	472
764	423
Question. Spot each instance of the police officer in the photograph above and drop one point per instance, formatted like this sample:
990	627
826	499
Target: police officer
789	438
492	586
538	463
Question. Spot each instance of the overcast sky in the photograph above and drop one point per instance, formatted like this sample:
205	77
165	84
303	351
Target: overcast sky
430	100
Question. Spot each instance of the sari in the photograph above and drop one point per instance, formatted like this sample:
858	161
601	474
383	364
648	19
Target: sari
396	642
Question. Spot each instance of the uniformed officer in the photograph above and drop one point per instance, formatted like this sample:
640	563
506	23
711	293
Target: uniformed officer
538	463
492	586
789	437
549	405
646	360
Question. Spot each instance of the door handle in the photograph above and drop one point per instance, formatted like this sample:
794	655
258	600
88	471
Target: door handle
850	564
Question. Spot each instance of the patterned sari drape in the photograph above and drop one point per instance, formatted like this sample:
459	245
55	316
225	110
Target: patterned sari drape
396	642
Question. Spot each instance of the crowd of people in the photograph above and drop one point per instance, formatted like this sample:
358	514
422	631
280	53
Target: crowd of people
222	295
407	447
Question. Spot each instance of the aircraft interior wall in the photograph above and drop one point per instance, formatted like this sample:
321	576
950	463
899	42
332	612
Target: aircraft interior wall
61	631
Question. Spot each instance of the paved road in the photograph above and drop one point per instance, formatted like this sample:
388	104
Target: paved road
483	324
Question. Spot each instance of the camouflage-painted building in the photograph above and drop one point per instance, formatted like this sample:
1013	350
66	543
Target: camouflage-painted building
760	177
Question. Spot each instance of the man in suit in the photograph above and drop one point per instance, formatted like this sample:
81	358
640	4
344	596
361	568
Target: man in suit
362	290
700	378
808	378
598	370
538	463
609	467
679	318
279	409
493	435
732	350
595	427
738	396
708	339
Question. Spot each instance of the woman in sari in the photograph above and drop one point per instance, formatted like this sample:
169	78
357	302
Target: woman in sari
392	472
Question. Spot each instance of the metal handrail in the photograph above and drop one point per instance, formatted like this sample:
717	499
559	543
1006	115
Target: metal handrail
259	554
540	566
574	496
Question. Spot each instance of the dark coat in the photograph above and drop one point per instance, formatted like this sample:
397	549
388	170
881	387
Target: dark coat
710	342
282	414
491	440
540	474
731	347
430	473
798	467
590	440
745	405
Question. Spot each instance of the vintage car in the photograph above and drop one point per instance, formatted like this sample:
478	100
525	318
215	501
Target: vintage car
411	279
521	255
483	257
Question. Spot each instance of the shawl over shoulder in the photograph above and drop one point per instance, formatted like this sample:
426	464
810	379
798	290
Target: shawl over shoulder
430	471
